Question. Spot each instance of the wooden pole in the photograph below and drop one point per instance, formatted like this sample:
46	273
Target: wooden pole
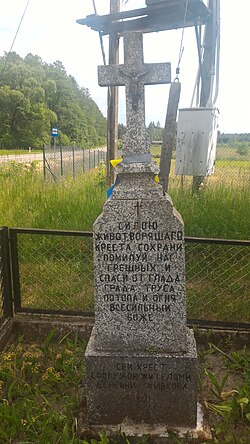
112	112
169	134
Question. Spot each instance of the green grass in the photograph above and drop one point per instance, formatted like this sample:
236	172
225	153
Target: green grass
42	391
217	280
226	152
26	200
225	384
219	210
41	387
57	272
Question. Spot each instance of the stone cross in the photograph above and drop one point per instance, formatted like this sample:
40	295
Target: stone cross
141	359
134	74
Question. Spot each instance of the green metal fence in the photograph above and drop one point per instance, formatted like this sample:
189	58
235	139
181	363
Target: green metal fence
70	161
53	273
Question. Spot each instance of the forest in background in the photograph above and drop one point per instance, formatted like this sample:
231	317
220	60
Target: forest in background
36	96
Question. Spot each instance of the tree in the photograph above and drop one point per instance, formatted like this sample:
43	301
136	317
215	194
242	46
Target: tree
155	131
34	96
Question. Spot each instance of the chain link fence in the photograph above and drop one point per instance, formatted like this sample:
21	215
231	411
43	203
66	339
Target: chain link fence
218	280
2	311
5	277
53	271
70	161
232	166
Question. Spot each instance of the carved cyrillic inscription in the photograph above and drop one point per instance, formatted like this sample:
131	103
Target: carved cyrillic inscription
153	376
139	278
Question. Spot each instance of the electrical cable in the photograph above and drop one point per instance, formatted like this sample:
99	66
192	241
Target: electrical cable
181	42
13	42
100	37
24	12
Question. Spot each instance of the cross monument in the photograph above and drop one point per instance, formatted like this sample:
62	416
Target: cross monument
134	74
141	359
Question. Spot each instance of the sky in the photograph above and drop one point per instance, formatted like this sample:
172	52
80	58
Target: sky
49	29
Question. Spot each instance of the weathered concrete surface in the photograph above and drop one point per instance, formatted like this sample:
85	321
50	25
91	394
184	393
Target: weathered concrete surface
150	387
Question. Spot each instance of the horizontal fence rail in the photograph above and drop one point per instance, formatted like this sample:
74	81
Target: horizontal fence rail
53	272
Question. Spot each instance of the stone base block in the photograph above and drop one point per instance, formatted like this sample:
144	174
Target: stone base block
156	434
154	388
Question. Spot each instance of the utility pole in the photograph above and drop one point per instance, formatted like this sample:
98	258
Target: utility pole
207	68
112	112
208	58
168	134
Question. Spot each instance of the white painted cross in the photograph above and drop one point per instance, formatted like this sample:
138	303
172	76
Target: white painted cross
134	74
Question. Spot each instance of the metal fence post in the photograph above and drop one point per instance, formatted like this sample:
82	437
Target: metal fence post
6	274
61	160
44	163
73	162
83	161
15	269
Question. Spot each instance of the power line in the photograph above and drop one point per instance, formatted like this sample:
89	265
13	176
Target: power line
19	26
13	42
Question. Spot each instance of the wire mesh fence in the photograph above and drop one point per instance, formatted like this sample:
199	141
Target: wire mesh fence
5	277
218	277
232	167
70	161
1	283
54	272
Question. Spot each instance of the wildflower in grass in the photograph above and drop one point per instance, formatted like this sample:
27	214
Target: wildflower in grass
33	353
68	352
57	376
19	348
35	368
51	375
24	422
8	357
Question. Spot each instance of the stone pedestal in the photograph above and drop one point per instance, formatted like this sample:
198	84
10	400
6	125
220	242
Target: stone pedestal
141	361
143	387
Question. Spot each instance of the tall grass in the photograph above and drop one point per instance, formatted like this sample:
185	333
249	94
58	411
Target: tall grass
221	209
27	201
57	272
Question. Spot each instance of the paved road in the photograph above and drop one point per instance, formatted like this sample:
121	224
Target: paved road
29	157
21	158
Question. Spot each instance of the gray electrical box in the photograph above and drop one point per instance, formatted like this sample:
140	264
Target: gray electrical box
196	141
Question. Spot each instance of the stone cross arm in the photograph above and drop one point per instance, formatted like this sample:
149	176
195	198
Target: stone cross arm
146	74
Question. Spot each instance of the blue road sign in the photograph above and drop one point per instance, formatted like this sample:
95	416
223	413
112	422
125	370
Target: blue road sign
54	132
